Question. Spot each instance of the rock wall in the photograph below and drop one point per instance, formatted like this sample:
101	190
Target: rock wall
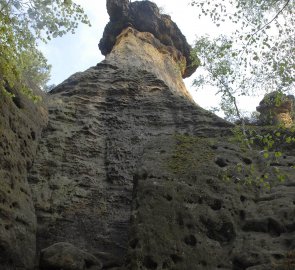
21	122
99	123
133	172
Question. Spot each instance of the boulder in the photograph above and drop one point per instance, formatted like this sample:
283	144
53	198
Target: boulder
67	257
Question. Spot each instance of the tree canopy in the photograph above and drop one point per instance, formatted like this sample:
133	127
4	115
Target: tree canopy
23	23
258	56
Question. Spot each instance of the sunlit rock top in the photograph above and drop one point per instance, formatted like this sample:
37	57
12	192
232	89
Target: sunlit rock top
144	16
277	108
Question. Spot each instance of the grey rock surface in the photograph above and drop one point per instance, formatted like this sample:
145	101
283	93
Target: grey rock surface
21	122
143	178
82	179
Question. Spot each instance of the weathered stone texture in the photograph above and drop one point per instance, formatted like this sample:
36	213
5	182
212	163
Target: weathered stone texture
20	128
142	178
141	50
99	122
193	211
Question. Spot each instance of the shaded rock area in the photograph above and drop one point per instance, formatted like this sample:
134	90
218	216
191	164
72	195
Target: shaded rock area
277	108
144	16
21	122
193	212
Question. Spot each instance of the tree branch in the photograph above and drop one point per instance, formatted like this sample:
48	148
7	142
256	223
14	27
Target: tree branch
268	23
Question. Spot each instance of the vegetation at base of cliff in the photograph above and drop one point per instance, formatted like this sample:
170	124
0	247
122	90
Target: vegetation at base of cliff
22	25
189	153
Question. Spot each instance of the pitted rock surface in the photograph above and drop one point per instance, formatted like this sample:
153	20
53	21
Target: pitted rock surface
21	122
142	178
144	16
99	122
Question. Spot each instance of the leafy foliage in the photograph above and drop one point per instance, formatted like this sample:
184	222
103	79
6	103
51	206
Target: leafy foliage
257	56
272	144
22	24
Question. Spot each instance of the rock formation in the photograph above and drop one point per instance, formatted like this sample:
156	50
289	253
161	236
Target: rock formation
131	174
145	16
277	108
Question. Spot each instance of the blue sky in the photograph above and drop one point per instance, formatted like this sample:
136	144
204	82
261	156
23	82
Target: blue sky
73	53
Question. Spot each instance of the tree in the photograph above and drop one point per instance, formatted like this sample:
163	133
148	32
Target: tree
257	57
23	23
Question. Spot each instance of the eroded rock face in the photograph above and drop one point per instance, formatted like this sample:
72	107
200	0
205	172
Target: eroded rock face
144	16
21	122
141	50
142	178
100	121
277	108
191	211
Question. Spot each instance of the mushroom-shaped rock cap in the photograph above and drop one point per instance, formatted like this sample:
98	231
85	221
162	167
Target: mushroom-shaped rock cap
144	16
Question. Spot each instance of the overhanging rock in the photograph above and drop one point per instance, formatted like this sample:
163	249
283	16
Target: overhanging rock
144	16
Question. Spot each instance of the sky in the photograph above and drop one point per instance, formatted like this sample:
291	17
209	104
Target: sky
74	53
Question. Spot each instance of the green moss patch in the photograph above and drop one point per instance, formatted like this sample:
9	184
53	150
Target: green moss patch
189	153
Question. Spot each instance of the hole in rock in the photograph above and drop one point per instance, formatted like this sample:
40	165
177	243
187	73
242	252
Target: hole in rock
242	198
216	205
149	263
221	162
242	214
247	161
33	135
176	258
239	264
17	101
190	240
168	197
133	243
